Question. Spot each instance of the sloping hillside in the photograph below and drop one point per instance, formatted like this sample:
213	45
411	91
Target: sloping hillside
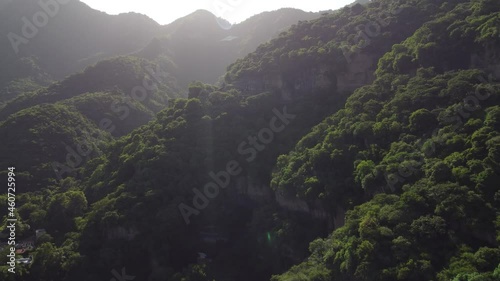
361	145
75	36
420	147
201	46
71	38
41	130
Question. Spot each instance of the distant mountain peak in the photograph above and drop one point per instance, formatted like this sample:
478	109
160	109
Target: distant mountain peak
204	15
201	14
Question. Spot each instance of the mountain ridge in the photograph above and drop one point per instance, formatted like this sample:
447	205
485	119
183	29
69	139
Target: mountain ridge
90	36
361	145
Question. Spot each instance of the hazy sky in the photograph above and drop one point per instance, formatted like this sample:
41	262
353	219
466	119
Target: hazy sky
234	11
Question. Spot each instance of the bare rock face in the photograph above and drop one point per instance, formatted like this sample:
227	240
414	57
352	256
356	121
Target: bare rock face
316	79
254	191
292	204
122	233
490	62
255	85
359	72
315	209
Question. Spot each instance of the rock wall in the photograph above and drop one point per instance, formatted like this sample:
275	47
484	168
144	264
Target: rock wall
253	190
315	209
121	233
359	72
319	78
256	85
260	193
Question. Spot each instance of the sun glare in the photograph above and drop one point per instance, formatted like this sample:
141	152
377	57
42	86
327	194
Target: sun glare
234	11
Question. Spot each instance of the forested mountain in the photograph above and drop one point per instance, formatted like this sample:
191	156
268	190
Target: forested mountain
359	145
71	37
106	92
422	143
41	131
201	45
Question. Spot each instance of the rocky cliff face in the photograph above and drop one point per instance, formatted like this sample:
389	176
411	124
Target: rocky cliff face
253	85
314	209
490	62
255	191
359	72
120	232
316	79
258	193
